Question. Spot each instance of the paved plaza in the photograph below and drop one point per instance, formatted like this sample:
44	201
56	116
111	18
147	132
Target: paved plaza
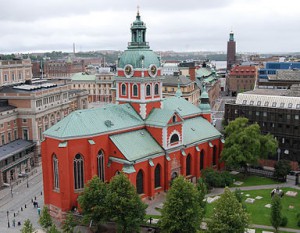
16	203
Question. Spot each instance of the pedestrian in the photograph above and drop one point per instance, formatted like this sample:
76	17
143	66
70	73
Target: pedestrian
39	211
34	197
25	206
31	200
21	208
14	222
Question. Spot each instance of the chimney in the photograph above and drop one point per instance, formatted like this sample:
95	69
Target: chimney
192	72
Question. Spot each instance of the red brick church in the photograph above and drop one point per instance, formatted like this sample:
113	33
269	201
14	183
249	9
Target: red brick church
151	139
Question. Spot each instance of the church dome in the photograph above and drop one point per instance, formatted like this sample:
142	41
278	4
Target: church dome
138	58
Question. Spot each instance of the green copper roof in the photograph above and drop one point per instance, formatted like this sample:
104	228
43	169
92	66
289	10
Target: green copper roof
136	145
95	121
83	77
182	106
198	129
135	57
203	72
159	117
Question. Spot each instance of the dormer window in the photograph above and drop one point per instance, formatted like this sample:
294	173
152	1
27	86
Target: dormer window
174	119
174	138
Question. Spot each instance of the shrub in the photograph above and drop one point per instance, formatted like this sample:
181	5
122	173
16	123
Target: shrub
284	221
214	178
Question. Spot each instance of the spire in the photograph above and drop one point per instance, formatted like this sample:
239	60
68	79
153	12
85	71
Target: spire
231	38
138	33
178	92
204	100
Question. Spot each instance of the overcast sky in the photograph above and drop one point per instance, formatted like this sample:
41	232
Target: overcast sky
178	25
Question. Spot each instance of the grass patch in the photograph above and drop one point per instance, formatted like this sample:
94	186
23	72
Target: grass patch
253	180
259	214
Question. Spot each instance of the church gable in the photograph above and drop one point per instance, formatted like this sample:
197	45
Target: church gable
137	145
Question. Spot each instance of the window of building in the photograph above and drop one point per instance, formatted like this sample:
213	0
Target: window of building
13	76
148	90
201	159
16	134
2	139
78	172
55	173
140	182
9	137
100	165
288	116
5	78
265	114
24	120
20	75
157	176
156	89
123	89
188	165
174	119
135	90
296	117
25	134
214	155
174	138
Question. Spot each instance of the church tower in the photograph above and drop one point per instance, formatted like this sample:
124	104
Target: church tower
138	79
231	51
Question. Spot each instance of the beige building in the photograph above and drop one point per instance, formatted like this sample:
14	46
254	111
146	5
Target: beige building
98	85
188	88
14	71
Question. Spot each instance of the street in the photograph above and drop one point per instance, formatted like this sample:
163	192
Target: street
16	202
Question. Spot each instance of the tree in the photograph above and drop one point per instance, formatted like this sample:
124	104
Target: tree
276	217
53	229
27	227
45	219
282	169
125	206
69	223
93	201
228	215
202	191
181	212
245	144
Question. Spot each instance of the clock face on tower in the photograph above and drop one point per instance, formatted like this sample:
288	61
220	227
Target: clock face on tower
152	70
128	70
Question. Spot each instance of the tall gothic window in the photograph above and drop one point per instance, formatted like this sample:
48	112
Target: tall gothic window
55	173
174	138
140	182
157	176
100	165
123	89
201	159
188	165
148	90
135	90
214	155
78	172
156	89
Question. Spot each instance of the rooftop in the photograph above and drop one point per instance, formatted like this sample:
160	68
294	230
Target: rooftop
14	148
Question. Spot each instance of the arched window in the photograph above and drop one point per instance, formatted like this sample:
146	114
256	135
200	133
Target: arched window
156	89
148	90
140	182
157	176
55	173
123	91
201	159
188	165
78	172
174	138
174	119
100	165
135	90
214	155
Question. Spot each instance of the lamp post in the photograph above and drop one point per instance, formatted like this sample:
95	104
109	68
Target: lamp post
8	224
27	181
278	154
11	192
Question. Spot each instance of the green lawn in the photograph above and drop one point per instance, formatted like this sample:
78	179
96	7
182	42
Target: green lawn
253	180
259	214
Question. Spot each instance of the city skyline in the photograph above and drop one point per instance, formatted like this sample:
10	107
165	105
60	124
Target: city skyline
260	26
